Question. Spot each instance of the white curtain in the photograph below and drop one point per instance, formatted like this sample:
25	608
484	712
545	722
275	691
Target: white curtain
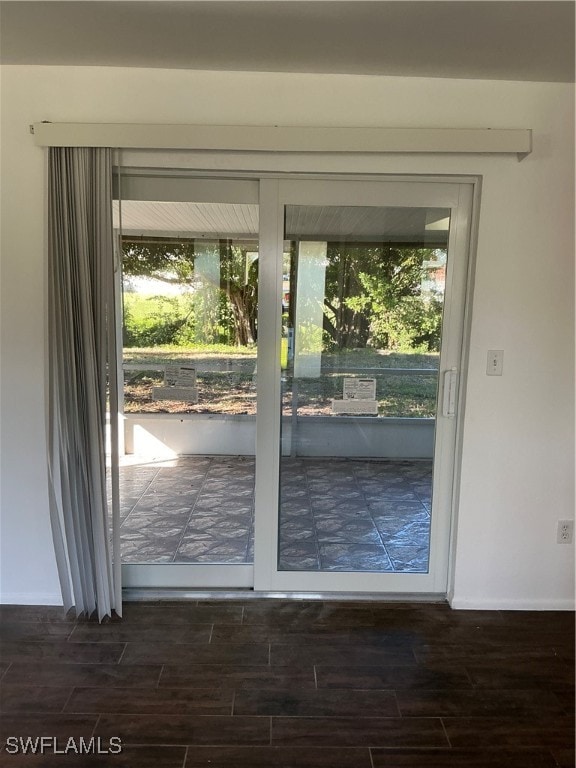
82	373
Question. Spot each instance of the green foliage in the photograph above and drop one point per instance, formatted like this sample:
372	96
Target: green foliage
152	320
374	298
413	324
169	261
232	314
182	321
309	339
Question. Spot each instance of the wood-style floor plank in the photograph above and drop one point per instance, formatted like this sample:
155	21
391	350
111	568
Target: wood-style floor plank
393	678
61	650
358	732
181	730
151	701
196	653
292	684
130	757
238	677
322	703
506	733
58	673
30	698
481	703
277	757
463	758
59	727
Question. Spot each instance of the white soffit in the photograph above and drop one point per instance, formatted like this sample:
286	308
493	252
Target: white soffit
147	218
187	219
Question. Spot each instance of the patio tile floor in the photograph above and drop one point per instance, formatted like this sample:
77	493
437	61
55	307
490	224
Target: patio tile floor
336	514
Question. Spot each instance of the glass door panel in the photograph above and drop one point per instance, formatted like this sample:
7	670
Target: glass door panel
372	279
363	296
190	336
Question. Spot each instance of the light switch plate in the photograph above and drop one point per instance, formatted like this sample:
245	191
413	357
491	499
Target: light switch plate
495	362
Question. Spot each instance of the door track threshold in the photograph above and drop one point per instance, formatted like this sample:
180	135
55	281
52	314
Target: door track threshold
145	594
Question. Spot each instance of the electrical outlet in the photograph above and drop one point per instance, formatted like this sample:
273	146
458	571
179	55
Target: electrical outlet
565	532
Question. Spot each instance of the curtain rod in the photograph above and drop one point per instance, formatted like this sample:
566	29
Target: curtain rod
284	138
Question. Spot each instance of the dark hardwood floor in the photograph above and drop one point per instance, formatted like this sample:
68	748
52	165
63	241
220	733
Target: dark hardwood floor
291	684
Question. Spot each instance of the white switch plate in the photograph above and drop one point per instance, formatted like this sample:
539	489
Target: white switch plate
495	362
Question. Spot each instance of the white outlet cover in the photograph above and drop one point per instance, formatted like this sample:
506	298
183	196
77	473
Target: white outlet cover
565	533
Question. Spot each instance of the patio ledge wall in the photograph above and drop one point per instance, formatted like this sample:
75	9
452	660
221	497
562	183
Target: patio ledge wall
319	436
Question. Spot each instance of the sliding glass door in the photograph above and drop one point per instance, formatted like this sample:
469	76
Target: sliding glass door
370	282
292	353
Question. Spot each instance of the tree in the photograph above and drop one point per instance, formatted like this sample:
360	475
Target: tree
373	295
174	263
239	282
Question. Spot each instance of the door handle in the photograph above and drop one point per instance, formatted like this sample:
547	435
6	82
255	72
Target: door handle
449	393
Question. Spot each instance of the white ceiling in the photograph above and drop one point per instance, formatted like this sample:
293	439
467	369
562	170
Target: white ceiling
499	39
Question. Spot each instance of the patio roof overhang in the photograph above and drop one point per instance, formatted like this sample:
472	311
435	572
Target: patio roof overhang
141	218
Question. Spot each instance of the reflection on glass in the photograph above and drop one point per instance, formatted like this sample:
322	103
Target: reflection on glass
362	316
190	349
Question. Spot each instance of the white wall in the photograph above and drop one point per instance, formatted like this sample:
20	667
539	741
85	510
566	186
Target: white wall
517	464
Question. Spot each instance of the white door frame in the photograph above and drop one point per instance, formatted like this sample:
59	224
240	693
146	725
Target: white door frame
275	191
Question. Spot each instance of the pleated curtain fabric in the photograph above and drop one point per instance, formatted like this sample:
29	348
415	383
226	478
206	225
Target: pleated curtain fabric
81	372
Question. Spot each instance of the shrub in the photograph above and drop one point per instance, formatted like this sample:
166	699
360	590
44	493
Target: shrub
154	320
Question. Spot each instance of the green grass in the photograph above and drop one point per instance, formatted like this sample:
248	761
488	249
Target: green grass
397	395
377	358
172	353
368	358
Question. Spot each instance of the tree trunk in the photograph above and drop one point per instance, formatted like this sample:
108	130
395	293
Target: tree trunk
242	326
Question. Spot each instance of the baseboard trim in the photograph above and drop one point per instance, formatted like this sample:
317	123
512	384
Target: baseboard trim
468	604
464	604
31	598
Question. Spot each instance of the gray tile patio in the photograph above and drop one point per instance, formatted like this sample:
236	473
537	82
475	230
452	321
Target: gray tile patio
336	514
